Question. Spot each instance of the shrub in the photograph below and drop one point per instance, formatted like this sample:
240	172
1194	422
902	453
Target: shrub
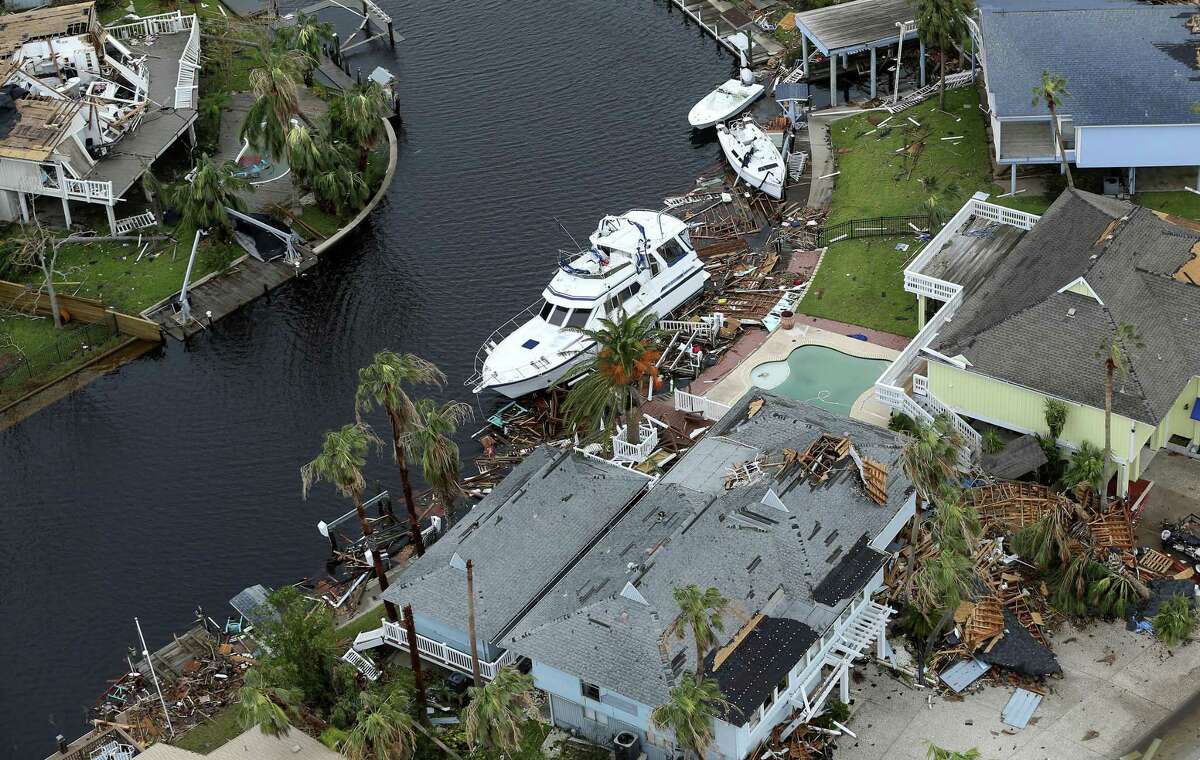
992	442
1055	412
1175	621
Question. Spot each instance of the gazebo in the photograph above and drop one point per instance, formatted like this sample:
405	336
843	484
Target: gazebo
855	27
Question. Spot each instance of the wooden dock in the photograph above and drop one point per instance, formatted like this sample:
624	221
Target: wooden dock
722	24
221	293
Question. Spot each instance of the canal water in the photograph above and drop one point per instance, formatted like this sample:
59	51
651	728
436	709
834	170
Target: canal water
174	483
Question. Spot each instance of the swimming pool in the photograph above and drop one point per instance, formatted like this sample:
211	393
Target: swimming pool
824	376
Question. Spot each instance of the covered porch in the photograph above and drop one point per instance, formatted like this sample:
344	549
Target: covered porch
859	26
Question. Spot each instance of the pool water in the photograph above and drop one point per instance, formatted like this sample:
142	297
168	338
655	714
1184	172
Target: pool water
820	375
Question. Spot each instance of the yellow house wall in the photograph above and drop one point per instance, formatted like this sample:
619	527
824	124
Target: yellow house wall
1082	288
1022	409
1179	420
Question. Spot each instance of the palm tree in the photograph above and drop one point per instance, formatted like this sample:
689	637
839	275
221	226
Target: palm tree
343	454
382	383
1086	468
624	357
270	117
1051	91
941	584
269	707
356	117
263	130
956	524
700	615
339	187
940	24
1046	541
496	713
307	153
431	442
1114	352
1175	621
689	713
213	188
308	36
383	728
930	455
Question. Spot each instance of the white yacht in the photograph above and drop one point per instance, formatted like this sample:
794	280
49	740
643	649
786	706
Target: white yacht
639	261
728	100
753	156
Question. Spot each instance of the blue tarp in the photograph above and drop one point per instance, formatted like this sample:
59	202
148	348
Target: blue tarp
1196	410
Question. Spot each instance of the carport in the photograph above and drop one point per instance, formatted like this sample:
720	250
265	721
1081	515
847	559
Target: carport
854	27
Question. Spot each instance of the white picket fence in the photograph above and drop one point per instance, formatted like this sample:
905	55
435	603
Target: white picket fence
624	451
189	70
131	223
163	23
692	404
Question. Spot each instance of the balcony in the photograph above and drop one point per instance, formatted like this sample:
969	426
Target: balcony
441	654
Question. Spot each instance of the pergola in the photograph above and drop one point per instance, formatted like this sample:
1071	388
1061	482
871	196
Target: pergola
855	27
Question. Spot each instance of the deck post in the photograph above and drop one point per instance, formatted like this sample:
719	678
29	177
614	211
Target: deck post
845	685
112	218
899	60
414	660
66	210
833	59
872	73
1012	185
804	52
922	43
24	207
1133	180
392	34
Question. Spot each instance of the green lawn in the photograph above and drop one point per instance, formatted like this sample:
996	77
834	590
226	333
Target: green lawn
862	282
367	622
213	733
1182	203
875	180
1036	203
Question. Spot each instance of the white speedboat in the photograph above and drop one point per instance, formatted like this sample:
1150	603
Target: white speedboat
728	100
753	156
639	261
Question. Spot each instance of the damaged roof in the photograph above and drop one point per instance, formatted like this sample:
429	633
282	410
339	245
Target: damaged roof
1090	264
1125	62
788	552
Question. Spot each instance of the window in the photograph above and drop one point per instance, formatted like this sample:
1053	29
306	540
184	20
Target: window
672	251
631	291
579	317
80	27
556	315
595	716
547	307
590	691
654	266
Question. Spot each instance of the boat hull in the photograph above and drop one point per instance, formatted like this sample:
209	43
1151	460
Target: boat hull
717	107
675	295
764	169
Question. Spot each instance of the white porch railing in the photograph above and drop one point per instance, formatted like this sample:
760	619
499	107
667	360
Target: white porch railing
131	223
163	23
706	329
693	404
361	664
189	70
90	190
624	451
862	628
961	79
437	652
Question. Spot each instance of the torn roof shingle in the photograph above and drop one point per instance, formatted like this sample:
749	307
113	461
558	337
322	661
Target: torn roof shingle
1125	62
521	537
1016	326
764	656
798	565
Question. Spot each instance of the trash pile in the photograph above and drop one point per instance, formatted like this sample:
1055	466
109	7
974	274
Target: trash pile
199	674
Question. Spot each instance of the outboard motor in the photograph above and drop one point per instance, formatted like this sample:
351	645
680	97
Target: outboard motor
747	76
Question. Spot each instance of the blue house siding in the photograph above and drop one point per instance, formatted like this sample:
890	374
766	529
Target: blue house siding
1149	145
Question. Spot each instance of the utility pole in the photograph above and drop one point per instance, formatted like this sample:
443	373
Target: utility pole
415	661
150	662
471	623
373	558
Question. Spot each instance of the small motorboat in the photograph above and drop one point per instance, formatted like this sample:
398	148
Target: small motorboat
728	100
753	156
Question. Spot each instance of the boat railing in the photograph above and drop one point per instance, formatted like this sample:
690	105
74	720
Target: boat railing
499	334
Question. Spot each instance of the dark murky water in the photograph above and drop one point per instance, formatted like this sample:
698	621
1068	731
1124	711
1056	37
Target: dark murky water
174	483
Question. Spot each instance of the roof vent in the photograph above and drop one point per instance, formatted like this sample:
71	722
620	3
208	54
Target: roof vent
457	562
1071	312
630	592
772	500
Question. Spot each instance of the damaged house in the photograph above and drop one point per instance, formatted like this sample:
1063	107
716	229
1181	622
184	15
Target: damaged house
785	508
86	109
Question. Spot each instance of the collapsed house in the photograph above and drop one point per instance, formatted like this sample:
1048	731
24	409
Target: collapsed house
86	109
783	507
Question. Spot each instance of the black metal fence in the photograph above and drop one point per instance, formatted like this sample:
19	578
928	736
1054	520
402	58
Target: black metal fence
17	369
881	226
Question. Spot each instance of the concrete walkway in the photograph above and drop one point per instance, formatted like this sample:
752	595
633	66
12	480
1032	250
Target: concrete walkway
1116	686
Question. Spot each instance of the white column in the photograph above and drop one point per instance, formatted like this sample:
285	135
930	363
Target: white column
1132	180
845	685
24	207
804	52
872	73
1013	183
112	219
62	187
833	100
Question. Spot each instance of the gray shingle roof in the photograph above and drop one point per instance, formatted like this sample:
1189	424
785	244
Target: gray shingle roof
690	530
1016	326
855	23
521	537
1125	62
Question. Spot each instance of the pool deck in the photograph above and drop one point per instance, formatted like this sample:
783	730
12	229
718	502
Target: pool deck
780	344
